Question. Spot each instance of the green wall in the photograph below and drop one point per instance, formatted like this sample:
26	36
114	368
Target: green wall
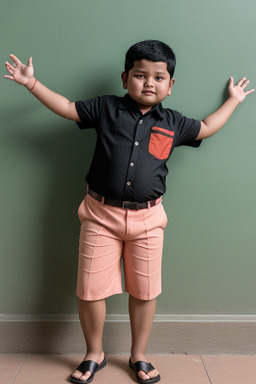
78	50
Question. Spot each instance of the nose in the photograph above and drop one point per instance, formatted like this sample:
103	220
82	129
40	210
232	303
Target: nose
148	82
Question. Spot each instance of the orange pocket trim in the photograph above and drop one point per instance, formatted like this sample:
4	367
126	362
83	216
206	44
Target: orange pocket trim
171	133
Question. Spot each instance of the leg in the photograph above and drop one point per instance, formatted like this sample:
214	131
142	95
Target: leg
99	271
142	265
92	317
142	314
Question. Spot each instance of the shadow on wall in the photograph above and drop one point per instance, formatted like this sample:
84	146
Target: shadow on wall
68	154
67	151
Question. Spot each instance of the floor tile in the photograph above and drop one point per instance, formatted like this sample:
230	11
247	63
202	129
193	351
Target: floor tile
117	371
42	369
180	369
174	369
231	369
10	365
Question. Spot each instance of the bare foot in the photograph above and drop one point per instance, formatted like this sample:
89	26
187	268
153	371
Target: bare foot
142	375
98	358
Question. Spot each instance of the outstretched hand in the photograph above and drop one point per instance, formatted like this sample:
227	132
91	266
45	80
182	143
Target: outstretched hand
238	91
19	72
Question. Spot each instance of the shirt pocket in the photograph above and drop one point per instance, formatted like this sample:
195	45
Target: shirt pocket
160	142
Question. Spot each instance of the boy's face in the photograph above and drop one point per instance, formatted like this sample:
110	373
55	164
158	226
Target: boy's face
148	83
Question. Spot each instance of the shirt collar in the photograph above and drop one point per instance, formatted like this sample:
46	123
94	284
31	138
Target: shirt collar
127	102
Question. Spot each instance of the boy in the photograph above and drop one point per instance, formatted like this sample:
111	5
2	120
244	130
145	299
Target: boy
122	213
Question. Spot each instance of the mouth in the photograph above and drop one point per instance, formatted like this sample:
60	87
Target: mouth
149	93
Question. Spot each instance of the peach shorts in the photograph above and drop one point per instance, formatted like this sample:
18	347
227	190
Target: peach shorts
110	234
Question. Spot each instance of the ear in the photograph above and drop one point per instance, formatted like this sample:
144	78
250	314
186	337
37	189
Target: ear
124	77
172	81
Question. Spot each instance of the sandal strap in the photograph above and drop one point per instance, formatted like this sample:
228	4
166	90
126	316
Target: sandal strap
143	366
88	365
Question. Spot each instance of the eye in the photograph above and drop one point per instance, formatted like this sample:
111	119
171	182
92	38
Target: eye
139	76
159	78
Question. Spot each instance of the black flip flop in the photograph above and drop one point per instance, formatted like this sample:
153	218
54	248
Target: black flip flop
145	367
91	366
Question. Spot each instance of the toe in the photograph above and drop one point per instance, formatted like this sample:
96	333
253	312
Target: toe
85	376
80	376
143	376
153	373
146	376
76	374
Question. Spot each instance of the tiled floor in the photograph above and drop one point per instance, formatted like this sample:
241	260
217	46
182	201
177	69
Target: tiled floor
174	369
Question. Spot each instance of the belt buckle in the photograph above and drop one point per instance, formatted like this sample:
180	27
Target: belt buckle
125	204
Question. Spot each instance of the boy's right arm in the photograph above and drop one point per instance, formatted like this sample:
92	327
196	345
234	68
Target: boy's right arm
24	75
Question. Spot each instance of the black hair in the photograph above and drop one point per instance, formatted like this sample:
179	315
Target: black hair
152	50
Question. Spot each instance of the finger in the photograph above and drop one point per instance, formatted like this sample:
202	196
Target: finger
8	77
241	81
249	92
231	84
15	59
30	61
245	84
9	67
10	71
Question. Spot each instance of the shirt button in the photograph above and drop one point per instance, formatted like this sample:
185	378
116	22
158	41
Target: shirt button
132	164
128	183
141	121
136	143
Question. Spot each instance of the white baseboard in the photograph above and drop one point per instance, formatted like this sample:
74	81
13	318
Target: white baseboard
125	318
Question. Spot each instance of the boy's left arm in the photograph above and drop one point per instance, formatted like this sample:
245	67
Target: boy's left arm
212	123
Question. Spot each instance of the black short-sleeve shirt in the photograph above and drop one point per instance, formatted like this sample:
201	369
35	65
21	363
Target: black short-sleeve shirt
129	162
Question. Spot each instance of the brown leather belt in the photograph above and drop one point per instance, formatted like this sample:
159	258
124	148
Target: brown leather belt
123	204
